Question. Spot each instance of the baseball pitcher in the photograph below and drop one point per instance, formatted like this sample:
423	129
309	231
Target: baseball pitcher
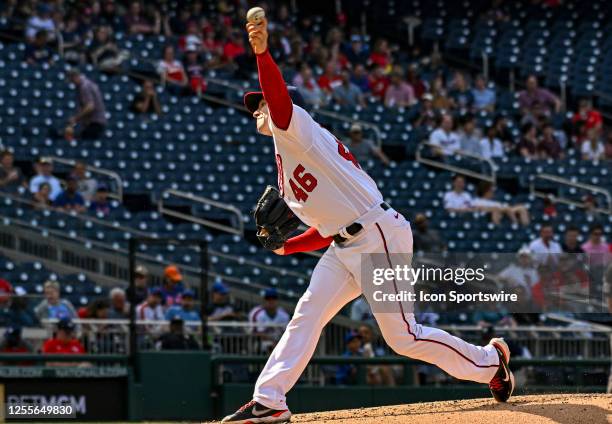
323	185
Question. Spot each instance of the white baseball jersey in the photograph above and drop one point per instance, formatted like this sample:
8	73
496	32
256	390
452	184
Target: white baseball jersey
258	315
318	177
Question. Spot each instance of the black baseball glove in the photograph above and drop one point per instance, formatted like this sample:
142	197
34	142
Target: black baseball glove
275	221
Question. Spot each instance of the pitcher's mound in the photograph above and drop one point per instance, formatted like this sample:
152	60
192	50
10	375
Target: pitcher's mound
537	409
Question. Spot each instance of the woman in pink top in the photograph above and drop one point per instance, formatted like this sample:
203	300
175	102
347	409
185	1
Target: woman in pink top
596	246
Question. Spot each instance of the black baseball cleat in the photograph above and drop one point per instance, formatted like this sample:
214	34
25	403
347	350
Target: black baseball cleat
502	384
254	412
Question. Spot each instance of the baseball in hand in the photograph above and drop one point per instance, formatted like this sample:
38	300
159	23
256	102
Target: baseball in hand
255	15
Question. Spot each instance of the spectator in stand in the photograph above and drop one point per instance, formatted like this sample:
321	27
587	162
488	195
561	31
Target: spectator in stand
267	314
357	54
91	112
485	203
87	185
460	93
221	309
347	374
426	118
176	339
44	170
42	198
549	146
234	47
141	282
399	93
14	309
172	285
444	138
186	309
195	71
458	200
151	308
596	247
70	199
376	374
42	20
96	309
306	84
119	306
536	102
10	176
104	53
38	52
570	240
529	145
63	342
417	84
360	78
146	100
425	239
381	55
171	71
13	343
6	291
53	306
470	136
484	97
378	82
100	203
364	149
330	79
347	93
592	148
135	20
72	39
491	147
441	100
521	273
504	133
545	249
586	119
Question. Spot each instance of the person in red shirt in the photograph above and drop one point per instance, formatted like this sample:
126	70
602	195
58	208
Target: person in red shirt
233	48
379	82
5	292
64	341
381	55
330	78
586	119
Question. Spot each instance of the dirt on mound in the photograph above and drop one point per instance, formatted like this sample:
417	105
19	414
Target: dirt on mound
537	409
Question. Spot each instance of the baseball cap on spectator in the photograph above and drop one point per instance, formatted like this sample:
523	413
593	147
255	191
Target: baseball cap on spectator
156	291
252	98
65	324
428	97
44	160
176	319
189	293
141	270
270	293
220	288
351	335
191	47
355	128
173	273
524	251
355	38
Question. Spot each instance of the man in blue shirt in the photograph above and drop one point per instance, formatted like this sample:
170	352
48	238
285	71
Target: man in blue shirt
186	310
70	199
347	373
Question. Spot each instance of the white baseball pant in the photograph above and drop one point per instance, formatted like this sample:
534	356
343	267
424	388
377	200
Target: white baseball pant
335	282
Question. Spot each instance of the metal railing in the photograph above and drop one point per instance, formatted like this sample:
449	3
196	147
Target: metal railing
96	170
365	124
439	163
166	210
569	183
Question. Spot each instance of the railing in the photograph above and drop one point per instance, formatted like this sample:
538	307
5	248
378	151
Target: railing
348	119
438	163
569	183
102	171
166	210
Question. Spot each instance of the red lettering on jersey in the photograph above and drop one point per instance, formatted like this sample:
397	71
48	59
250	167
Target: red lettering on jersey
307	182
280	177
346	154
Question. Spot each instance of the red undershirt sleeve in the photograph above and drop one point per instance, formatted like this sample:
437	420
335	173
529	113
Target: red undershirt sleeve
274	91
308	241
